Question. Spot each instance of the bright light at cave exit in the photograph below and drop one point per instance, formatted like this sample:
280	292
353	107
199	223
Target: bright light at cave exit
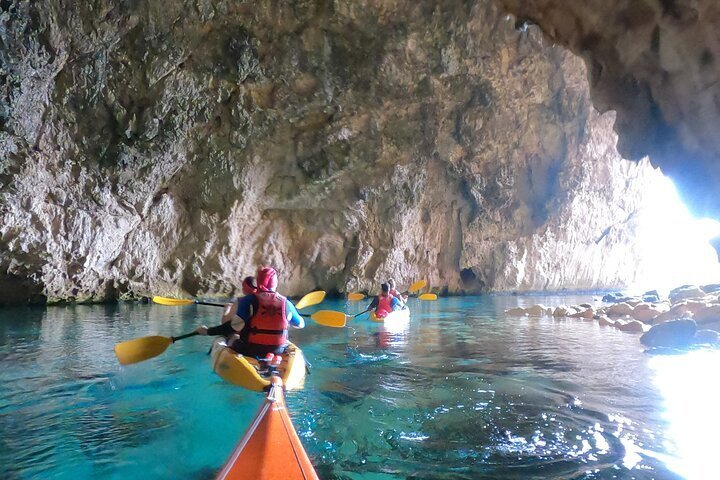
673	245
691	393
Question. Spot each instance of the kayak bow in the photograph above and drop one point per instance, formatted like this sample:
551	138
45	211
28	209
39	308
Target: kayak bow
270	448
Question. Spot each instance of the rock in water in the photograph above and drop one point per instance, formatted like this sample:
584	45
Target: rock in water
672	334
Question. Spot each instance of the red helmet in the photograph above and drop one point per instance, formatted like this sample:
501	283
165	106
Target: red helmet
248	285
266	278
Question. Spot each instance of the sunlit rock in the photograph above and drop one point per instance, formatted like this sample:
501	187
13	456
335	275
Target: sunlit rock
536	310
586	313
685	292
561	311
519	311
619	309
707	314
632	326
646	312
605	321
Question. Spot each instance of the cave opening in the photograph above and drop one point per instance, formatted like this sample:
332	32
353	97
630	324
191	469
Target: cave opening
674	246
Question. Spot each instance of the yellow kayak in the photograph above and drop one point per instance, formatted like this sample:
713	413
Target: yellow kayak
247	372
394	316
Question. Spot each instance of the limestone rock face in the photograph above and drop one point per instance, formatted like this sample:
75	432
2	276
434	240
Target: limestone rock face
657	64
157	147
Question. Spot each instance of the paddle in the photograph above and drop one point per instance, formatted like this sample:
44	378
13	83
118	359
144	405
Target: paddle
355	296
176	302
141	349
328	318
145	348
428	296
358	314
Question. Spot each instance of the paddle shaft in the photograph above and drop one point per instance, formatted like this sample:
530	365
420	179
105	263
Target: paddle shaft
198	302
187	335
358	314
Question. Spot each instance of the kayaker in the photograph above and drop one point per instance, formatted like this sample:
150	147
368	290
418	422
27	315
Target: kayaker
395	293
385	303
260	319
248	285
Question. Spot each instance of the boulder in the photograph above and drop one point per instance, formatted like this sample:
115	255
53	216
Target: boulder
674	334
686	291
561	311
587	313
605	321
619	309
614	297
633	326
645	312
708	314
515	311
651	296
707	336
677	311
536	310
585	305
711	288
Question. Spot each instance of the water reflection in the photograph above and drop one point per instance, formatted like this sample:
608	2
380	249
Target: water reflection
691	395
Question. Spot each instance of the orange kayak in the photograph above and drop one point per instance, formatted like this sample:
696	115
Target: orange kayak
270	449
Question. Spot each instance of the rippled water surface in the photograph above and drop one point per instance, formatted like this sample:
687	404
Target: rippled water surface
459	392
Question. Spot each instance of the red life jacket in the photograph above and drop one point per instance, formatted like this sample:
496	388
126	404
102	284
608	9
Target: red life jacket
395	293
268	325
384	305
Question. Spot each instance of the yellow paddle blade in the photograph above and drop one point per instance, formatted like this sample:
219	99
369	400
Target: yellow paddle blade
141	349
173	302
428	296
354	297
330	318
417	286
312	298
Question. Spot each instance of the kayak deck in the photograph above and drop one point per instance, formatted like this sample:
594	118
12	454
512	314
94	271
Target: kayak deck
247	372
270	448
394	316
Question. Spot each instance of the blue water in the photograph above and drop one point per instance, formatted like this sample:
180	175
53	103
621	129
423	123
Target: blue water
459	392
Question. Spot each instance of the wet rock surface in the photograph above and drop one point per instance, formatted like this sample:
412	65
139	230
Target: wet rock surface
656	65
167	148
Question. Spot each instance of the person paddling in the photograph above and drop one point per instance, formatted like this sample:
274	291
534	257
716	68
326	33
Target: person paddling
260	319
395	293
385	303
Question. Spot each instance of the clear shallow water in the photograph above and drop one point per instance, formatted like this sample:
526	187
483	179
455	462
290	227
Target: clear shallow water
459	392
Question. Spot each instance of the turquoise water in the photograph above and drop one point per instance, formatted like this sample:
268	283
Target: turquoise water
459	392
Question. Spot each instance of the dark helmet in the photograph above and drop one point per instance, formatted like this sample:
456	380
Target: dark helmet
248	285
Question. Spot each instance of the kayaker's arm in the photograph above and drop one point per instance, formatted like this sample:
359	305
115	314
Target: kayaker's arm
372	305
397	304
294	317
224	329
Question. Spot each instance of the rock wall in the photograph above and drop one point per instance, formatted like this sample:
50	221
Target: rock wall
168	147
656	63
